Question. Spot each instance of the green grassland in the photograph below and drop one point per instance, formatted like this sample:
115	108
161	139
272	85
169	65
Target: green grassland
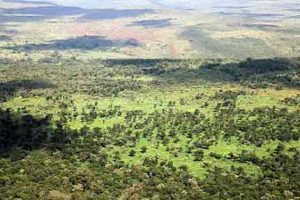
123	116
147	93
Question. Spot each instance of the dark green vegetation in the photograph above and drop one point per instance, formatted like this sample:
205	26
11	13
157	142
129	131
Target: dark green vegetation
82	43
226	47
155	129
158	23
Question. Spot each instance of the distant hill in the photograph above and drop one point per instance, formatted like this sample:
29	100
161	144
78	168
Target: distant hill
193	4
203	5
103	3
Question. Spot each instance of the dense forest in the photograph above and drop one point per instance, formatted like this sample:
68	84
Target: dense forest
149	129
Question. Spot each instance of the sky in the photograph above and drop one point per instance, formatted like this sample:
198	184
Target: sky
188	4
104	3
203	5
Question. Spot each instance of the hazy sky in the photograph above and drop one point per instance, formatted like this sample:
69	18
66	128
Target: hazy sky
103	3
148	3
185	4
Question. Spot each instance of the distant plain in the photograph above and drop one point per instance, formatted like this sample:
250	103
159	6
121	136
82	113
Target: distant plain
150	29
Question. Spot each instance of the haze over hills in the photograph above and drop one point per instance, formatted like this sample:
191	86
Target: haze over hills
205	5
161	28
101	4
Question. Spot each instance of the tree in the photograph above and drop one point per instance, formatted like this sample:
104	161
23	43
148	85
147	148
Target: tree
132	153
198	155
143	149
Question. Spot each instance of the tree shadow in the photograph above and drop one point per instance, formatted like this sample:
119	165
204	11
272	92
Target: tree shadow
256	73
156	23
81	43
21	133
21	130
140	63
9	89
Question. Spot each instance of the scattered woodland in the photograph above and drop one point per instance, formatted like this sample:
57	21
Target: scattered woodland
149	129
